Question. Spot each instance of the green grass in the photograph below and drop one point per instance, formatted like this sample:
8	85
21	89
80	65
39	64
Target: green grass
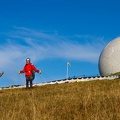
93	100
114	74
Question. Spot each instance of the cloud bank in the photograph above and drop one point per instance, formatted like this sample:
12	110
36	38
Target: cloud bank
22	42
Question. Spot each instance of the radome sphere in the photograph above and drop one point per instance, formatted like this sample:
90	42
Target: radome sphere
109	60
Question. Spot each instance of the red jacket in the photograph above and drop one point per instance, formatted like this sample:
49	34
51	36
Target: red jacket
28	68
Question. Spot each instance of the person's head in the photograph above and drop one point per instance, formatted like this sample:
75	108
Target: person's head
27	60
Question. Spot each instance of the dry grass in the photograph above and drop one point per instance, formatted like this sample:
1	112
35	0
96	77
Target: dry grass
95	100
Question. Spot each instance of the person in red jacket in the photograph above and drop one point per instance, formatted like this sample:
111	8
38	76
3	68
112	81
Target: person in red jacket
29	70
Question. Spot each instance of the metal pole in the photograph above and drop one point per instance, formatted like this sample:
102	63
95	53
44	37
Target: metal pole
67	70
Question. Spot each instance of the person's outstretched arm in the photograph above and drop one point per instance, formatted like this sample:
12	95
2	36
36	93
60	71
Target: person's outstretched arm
1	74
34	68
22	71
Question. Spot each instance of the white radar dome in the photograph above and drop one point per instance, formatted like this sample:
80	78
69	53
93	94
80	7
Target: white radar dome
109	60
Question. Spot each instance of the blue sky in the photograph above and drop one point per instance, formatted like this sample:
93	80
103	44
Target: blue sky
52	32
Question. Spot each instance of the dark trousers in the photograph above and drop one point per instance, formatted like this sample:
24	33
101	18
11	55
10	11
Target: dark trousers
29	79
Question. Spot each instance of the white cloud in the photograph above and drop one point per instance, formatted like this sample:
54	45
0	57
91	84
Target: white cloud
24	42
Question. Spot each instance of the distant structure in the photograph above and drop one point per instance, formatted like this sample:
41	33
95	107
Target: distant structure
109	60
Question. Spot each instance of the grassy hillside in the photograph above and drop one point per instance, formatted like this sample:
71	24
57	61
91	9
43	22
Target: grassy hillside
94	100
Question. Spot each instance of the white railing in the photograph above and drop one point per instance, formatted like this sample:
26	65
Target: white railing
66	81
